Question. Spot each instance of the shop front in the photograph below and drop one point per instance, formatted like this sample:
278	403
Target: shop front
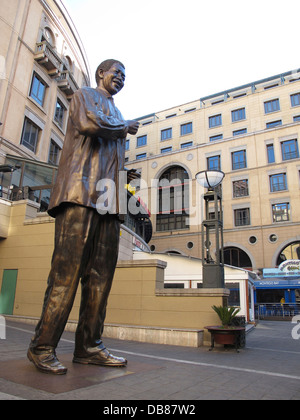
277	293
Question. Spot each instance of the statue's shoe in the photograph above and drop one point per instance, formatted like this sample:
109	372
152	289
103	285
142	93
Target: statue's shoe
45	360
103	358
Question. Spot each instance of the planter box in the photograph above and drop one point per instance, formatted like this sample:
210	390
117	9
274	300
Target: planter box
225	336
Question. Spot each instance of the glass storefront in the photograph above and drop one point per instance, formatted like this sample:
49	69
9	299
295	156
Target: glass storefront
28	180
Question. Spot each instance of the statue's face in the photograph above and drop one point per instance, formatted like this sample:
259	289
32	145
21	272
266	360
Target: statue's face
113	79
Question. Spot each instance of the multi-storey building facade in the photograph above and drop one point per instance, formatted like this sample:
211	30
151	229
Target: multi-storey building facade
42	63
251	133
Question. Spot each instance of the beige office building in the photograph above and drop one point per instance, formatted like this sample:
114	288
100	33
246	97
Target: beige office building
250	133
42	63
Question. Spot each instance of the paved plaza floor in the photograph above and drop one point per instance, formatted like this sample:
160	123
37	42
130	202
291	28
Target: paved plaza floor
267	368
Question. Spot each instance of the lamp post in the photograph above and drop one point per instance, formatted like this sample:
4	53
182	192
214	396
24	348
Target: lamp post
213	268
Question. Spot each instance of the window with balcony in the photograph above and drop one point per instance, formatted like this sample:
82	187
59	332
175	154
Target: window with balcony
242	217
173	199
278	182
289	149
238	159
214	163
281	212
240	188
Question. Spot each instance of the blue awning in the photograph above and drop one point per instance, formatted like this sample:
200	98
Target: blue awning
278	283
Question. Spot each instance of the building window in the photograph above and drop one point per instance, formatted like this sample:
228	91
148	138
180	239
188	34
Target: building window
239	159
296	118
214	163
271	86
166	149
127	144
240	188
166	134
38	89
272	106
237	257
281	212
141	156
59	115
186	129
215	121
242	217
238	115
173	200
141	141
187	144
278	182
290	252
295	99
239	132
54	153
289	150
217	137
270	153
273	124
30	135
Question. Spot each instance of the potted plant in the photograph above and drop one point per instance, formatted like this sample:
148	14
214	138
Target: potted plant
226	314
226	333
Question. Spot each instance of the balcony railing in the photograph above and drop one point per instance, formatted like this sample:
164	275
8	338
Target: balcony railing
46	56
276	311
67	83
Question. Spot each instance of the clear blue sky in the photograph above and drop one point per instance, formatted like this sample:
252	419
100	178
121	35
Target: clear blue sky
176	51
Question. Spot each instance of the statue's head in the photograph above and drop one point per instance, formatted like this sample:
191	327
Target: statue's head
110	76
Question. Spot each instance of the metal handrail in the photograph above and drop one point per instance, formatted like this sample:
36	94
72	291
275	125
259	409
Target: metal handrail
276	310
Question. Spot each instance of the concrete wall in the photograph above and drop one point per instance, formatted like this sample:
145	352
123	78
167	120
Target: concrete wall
137	297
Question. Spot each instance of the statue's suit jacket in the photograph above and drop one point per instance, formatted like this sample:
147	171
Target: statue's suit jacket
93	150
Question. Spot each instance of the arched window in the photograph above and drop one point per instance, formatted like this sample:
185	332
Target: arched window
68	63
290	252
237	257
48	36
173	199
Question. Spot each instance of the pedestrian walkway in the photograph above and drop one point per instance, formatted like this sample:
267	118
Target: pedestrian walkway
267	368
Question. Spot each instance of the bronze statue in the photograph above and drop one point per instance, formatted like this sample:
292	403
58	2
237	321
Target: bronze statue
86	242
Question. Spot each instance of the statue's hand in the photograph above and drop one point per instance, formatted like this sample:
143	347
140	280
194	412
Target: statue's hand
133	126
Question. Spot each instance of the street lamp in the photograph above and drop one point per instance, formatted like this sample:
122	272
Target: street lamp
213	269
210	179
